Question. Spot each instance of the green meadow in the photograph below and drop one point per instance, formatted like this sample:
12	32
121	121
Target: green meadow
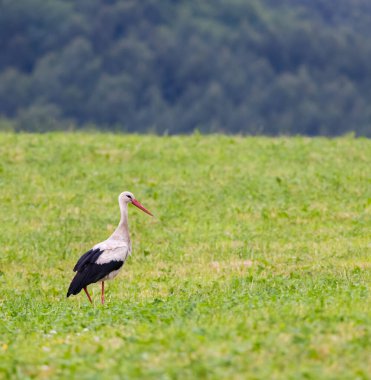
255	266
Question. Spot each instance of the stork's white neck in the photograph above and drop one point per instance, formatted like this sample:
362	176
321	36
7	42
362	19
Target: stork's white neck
122	230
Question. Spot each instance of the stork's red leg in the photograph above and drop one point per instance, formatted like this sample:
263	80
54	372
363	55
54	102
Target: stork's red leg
102	299
88	295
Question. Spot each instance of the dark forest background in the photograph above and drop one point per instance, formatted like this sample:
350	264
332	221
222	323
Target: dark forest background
238	66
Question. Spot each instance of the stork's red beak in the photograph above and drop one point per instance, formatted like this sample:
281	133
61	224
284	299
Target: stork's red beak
137	204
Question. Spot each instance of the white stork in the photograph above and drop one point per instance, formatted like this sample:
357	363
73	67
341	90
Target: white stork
105	259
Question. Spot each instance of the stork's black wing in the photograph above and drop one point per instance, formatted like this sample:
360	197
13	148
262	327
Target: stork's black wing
87	258
91	273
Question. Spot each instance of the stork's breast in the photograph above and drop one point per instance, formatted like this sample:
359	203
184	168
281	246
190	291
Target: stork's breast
113	254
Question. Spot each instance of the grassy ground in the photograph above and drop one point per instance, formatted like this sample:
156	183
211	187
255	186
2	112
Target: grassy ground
257	265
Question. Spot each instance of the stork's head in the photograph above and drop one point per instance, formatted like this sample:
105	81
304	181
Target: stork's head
128	197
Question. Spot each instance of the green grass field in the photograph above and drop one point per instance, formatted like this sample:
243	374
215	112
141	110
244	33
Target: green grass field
257	265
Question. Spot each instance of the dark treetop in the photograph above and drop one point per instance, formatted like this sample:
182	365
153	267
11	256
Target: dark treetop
237	66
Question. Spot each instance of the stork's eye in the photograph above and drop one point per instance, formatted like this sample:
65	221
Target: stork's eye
129	196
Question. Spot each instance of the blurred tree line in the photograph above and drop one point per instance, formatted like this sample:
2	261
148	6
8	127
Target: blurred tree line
173	66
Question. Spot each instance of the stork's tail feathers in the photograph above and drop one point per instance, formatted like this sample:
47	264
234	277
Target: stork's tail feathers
76	285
